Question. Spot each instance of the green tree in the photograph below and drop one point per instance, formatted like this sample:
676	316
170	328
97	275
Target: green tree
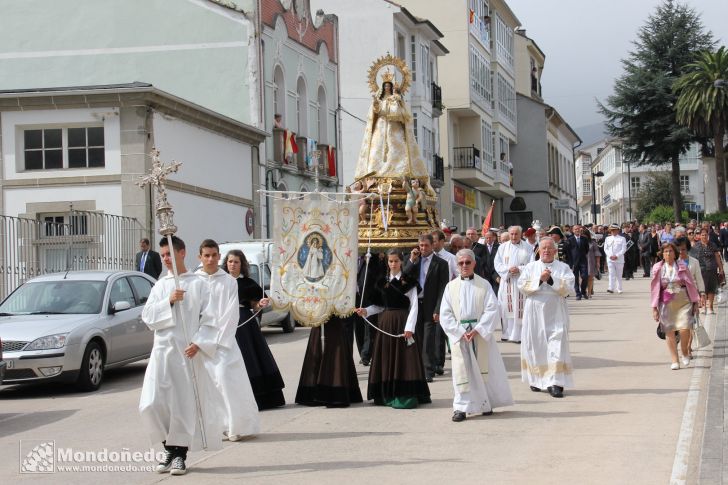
657	190
702	105
641	112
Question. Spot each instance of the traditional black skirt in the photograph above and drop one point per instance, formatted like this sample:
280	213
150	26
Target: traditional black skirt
328	375
265	378
396	377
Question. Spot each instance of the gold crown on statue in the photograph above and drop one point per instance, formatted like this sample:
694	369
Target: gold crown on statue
388	77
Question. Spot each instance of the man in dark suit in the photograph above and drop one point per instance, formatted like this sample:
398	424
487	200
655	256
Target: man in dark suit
148	261
433	274
724	239
490	248
579	247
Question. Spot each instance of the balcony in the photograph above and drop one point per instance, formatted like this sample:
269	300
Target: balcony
468	169
436	100
327	164
438	172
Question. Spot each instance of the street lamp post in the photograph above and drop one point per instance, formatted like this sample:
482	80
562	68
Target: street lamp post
594	194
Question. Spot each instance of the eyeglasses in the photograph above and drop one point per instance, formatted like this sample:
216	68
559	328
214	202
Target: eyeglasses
690	233
464	263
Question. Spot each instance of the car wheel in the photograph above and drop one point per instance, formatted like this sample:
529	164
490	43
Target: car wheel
92	368
287	324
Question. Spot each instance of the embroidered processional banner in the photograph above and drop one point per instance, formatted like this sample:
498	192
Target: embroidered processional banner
315	256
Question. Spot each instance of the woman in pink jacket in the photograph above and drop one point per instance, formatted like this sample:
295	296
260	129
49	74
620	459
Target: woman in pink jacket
675	300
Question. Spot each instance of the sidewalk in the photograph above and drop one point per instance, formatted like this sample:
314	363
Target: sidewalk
620	425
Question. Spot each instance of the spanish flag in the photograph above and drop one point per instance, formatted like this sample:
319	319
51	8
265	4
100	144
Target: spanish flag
290	147
488	219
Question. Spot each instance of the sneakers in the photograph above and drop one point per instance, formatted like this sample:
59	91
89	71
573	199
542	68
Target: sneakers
619	292
178	466
165	465
685	361
674	366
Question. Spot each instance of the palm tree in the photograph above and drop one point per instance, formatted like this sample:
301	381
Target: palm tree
702	105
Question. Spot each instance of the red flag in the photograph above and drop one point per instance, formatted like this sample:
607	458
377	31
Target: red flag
472	16
488	219
294	145
332	162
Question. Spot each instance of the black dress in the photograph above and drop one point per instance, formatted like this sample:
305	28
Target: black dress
265	378
396	377
328	375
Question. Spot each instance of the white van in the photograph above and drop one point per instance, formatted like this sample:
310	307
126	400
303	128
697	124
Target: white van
258	254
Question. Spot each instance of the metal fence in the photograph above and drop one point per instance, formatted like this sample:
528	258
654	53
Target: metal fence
74	240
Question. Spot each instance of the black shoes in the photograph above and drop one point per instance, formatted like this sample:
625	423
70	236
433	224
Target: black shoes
578	297
488	413
178	466
458	416
164	465
556	391
535	389
504	340
610	291
429	379
439	370
364	362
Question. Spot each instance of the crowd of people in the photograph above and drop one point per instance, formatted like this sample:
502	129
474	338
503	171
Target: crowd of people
452	294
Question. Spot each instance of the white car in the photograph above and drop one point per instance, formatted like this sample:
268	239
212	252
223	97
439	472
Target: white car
73	326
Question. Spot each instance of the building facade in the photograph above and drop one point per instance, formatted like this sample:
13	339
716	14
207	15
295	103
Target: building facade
543	179
479	125
619	188
84	149
300	71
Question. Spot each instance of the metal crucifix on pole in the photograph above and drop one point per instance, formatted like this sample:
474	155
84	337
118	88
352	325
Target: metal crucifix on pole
157	178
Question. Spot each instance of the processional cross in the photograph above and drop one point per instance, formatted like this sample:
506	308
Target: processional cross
157	177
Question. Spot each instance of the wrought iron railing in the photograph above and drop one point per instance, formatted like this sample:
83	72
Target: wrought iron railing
466	157
438	172
436	96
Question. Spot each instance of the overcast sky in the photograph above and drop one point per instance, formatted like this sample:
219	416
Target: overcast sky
584	41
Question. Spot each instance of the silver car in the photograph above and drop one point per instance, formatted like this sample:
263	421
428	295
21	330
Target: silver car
73	326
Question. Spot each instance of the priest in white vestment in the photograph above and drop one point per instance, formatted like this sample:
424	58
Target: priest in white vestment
511	258
469	315
227	367
167	404
545	357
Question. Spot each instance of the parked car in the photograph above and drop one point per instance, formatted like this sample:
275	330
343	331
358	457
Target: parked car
2	363
73	326
258	254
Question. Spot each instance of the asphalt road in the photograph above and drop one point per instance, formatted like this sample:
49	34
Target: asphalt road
621	424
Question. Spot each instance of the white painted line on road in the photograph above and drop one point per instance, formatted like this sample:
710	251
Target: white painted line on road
680	466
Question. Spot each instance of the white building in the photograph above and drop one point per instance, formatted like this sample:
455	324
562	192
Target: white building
372	29
620	185
86	147
479	121
584	186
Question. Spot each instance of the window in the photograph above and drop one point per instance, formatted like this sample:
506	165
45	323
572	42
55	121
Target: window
142	287
504	41
635	183
586	187
424	64
414	125
506	99
64	224
401	52
279	93
413	58
427	146
480	77
685	183
59	148
85	147
301	108
121	291
486	132
321	112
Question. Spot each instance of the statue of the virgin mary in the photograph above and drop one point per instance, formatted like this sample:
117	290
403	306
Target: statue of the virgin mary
389	148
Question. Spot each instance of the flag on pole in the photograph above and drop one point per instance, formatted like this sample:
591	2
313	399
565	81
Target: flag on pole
488	220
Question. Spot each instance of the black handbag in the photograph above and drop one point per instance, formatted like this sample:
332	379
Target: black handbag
660	331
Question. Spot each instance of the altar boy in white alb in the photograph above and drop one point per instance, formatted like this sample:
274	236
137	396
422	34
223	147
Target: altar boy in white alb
227	366
167	404
545	357
469	315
